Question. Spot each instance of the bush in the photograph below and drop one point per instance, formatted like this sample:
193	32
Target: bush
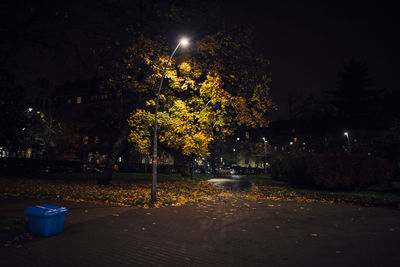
291	168
330	171
347	172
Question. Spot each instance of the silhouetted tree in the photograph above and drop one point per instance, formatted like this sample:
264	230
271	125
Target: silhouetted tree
354	99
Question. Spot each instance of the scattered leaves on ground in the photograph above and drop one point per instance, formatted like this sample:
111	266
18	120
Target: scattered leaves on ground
169	193
173	193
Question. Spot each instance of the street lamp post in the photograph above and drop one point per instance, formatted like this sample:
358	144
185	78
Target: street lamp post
183	42
348	140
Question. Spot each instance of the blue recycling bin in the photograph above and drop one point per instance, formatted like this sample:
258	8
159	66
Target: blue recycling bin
45	220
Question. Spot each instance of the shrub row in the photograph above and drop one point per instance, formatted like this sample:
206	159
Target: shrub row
330	171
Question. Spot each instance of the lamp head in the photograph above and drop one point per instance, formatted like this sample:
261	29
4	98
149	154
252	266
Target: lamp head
184	41
346	133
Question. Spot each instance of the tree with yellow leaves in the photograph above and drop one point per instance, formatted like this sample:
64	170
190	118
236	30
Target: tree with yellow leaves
208	93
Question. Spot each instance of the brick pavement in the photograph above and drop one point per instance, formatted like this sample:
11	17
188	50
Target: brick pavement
228	231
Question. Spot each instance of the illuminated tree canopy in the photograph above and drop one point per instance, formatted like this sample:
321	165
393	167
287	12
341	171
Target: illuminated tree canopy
208	91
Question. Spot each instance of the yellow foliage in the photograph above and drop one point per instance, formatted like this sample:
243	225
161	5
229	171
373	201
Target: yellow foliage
195	107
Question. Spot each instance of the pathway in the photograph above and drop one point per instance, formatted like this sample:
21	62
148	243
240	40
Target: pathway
227	231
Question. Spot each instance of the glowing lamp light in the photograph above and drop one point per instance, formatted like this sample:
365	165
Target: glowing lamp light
346	133
184	41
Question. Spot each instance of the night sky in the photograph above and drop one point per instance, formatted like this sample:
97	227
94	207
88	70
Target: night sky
307	45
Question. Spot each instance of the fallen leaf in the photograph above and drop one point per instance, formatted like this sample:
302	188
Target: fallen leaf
338	252
115	214
277	227
314	235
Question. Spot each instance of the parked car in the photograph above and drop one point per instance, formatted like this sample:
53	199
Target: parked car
226	171
242	170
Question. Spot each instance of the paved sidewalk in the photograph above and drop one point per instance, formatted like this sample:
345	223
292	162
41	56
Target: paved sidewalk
225	232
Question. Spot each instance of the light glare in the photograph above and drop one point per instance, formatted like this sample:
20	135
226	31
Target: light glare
184	41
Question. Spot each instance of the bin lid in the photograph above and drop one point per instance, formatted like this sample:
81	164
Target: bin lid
45	210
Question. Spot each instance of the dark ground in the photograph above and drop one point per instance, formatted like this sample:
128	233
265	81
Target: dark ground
228	231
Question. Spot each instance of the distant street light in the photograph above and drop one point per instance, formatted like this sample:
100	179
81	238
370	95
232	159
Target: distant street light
183	42
348	140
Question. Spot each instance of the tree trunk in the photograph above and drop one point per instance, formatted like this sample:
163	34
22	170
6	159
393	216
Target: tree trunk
184	169
182	164
212	163
191	167
105	177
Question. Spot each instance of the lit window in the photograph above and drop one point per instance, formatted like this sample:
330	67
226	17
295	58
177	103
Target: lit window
79	100
86	140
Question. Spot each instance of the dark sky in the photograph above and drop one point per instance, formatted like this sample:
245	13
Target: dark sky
307	44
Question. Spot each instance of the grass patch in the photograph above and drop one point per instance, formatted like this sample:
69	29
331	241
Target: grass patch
357	197
264	179
279	190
